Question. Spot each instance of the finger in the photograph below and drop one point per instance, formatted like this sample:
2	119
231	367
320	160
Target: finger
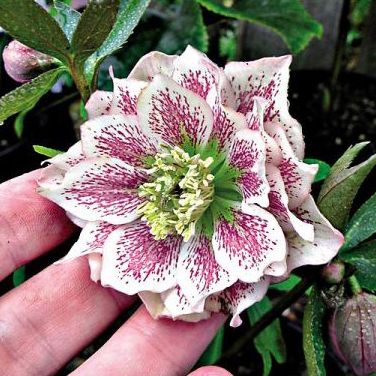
49	318
144	346
210	371
30	225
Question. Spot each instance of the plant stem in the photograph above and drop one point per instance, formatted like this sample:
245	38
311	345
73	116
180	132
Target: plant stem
80	80
354	285
270	316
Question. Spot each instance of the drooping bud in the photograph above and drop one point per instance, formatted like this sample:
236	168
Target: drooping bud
22	63
353	333
334	272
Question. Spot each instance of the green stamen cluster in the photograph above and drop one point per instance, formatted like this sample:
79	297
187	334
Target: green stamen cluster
180	191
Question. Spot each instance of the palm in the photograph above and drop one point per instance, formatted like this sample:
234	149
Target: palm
51	317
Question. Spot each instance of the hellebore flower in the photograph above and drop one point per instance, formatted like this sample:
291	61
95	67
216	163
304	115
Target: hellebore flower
188	181
22	63
353	333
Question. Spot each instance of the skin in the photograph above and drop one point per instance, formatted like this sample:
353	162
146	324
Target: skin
55	314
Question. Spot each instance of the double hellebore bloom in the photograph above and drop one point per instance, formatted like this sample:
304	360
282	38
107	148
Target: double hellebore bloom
190	187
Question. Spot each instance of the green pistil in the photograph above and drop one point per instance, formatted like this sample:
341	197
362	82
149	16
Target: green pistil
180	191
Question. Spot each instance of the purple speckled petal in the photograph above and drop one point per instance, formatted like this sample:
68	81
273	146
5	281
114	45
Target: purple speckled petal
297	175
247	153
267	78
91	239
278	206
134	261
240	296
99	104
52	176
117	136
152	64
226	123
196	72
326	243
199	274
255	115
100	189
250	244
169	112
68	159
126	93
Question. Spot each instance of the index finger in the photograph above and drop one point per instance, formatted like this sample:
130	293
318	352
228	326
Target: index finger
30	225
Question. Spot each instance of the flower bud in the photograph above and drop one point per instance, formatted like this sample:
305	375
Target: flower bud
334	272
353	333
22	63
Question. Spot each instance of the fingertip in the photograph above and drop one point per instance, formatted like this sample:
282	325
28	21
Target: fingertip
210	371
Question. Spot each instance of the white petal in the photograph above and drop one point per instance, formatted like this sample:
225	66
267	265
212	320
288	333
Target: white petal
117	136
241	296
249	245
170	112
134	261
194	71
126	93
68	159
99	103
91	240
267	78
199	274
152	64
278	206
326	243
95	265
100	189
247	153
297	175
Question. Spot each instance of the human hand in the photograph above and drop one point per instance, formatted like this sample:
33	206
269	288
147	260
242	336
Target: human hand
55	314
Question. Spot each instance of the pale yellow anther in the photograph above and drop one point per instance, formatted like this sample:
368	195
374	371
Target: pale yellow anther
180	192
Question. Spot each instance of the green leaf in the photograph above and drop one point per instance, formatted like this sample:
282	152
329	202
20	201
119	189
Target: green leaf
126	21
341	186
362	225
93	28
360	11
228	44
29	23
48	152
186	27
363	258
27	95
323	171
19	122
18	276
270	341
289	19
287	285
214	351
67	18
313	343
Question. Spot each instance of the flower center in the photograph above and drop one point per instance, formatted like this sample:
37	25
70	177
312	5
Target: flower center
180	191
